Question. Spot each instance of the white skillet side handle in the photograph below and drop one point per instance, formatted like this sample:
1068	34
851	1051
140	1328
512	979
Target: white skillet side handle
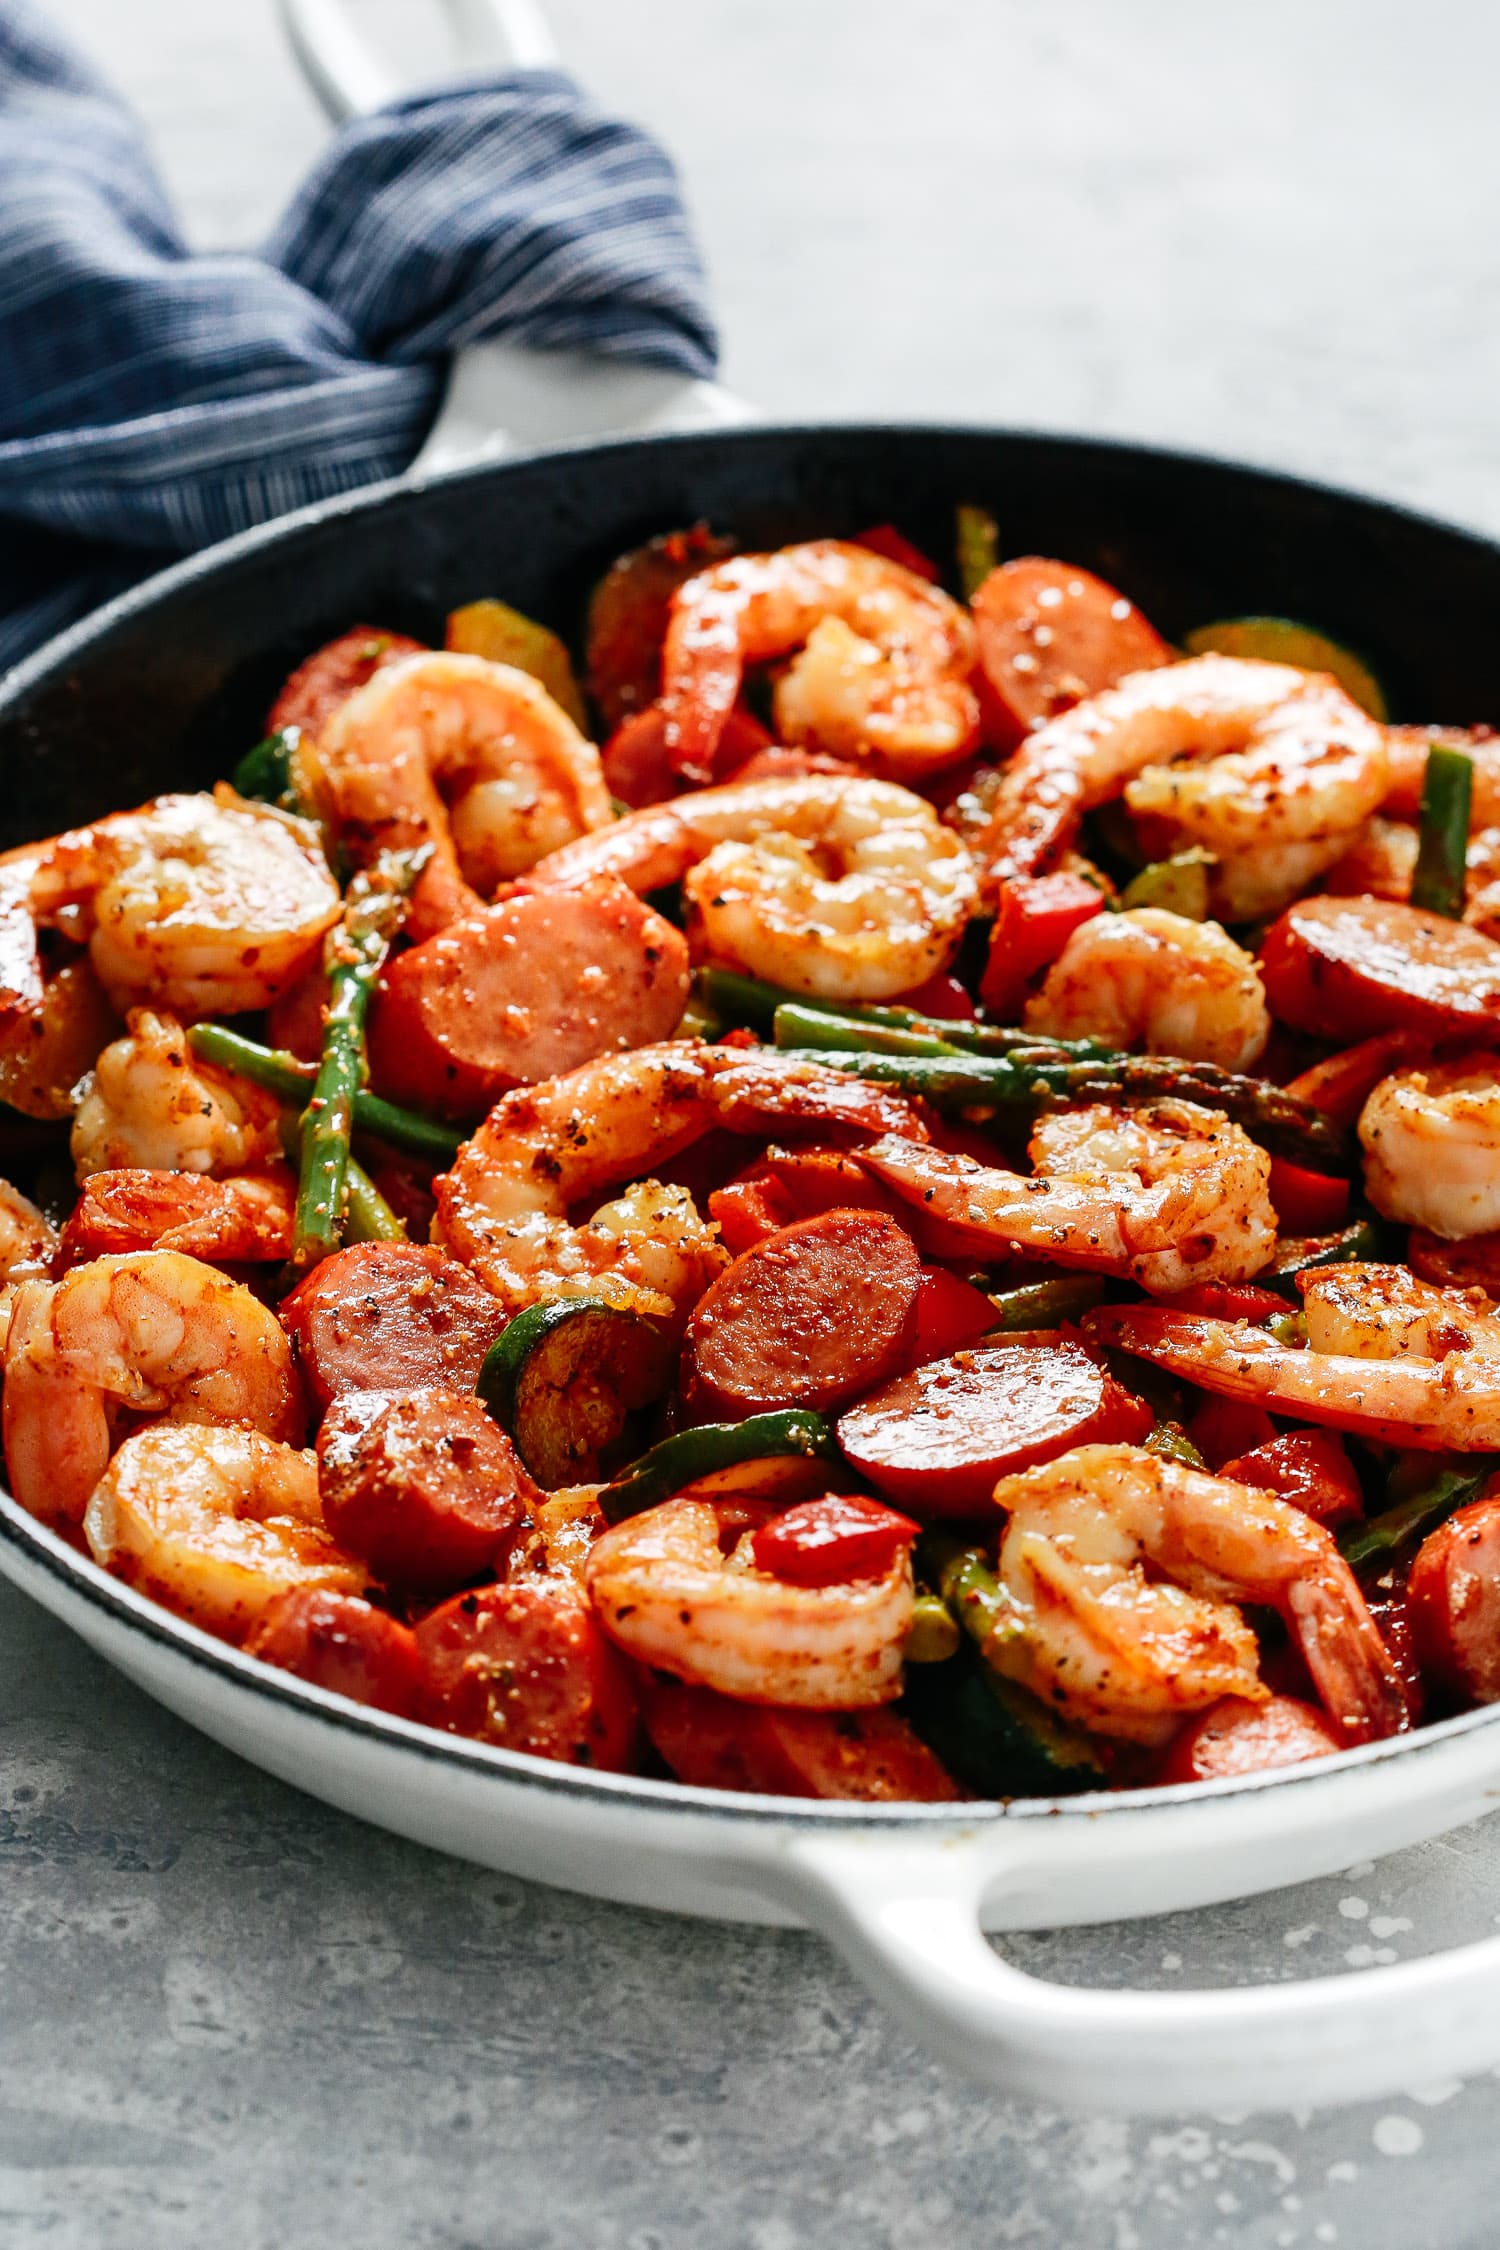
907	1918
501	398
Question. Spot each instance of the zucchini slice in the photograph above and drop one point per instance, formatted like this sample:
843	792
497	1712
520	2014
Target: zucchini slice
1281	640
1000	1740
563	1380
769	1457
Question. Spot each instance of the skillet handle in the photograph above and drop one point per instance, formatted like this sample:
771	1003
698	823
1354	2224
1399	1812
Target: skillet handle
907	1919
500	398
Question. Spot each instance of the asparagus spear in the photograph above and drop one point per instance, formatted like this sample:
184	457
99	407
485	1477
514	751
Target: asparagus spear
367	1215
1443	849
977	541
266	771
373	913
1026	1081
1433	1501
739	999
287	1075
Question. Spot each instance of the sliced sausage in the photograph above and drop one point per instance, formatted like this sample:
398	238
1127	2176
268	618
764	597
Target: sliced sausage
331	674
1049	635
1453	1602
627	620
638	759
811	1316
530	988
1347	968
427	1488
712	1742
527	1666
391	1316
341	1643
939	1439
1237	1736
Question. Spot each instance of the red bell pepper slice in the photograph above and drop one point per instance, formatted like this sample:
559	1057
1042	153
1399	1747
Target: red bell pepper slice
1037	915
1223	1428
827	1542
942	996
1307	1202
951	1314
1308	1467
1226	1300
884	539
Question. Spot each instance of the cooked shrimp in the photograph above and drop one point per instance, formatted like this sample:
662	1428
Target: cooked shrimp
1382	861
667	1592
1157	984
471	758
884	672
1167	1194
153	1333
1388	1356
246	1220
215	1524
1269	769
28	1245
1431	1139
1124	1572
833	884
152	1105
191	904
53	1020
504	1207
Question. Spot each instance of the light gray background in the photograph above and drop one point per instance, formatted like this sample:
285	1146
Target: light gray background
230	2017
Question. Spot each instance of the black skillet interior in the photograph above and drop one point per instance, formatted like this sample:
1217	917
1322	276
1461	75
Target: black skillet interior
170	686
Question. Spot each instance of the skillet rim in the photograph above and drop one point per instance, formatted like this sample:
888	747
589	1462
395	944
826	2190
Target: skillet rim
84	1578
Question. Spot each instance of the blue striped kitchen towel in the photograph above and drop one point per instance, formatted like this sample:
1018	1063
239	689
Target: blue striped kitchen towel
153	400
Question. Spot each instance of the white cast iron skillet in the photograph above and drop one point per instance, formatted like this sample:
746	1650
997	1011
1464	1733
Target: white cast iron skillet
166	687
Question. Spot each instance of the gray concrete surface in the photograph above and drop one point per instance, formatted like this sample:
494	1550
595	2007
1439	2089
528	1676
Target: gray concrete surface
229	2017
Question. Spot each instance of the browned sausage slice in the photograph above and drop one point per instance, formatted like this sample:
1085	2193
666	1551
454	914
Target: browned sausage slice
341	1643
1050	634
712	1742
1346	968
939	1438
390	1316
535	985
1238	1736
427	1489
527	1666
810	1316
1453	1602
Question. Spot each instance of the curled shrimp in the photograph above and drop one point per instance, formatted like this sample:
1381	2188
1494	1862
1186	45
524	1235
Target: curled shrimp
152	1105
53	1018
1155	983
215	1524
1165	1195
884	671
504	1207
151	1333
28	1245
1269	769
834	884
470	758
1388	1356
191	903
666	1591
1124	1571
247	1220
1431	1138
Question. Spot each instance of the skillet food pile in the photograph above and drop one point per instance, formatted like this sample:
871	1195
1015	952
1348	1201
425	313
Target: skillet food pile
924	1224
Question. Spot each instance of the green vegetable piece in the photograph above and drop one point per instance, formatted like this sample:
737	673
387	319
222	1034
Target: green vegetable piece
367	1215
1288	1328
505	636
1171	1442
1030	1079
1361	1242
373	913
1178	885
995	1735
1046	1304
288	1076
563	1379
770	1455
933	1635
1280	640
266	771
744	1000
1445	1489
1443	833
977	546
796	1026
